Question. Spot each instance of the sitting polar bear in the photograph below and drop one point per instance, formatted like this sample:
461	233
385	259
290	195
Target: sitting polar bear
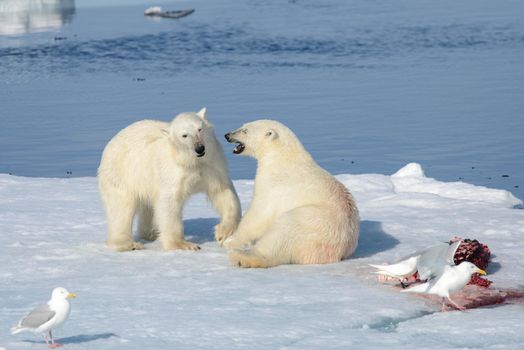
299	214
152	167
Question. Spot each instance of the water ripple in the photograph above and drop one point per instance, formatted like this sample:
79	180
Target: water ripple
205	46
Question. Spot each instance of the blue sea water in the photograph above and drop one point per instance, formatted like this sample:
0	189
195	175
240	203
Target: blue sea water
368	86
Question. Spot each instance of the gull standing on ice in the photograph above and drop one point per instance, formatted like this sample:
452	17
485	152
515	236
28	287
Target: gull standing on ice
429	262
452	278
48	316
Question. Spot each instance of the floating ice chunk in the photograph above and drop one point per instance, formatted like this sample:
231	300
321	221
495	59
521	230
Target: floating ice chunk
154	10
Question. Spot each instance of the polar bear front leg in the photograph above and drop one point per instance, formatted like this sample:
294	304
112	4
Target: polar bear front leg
251	227
228	206
168	216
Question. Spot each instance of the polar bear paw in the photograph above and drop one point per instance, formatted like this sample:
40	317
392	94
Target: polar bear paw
222	233
232	242
125	247
182	245
148	235
248	260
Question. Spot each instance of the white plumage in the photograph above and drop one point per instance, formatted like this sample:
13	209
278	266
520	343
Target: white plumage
451	279
429	262
44	318
400	270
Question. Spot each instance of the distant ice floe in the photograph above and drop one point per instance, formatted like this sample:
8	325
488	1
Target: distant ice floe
156	12
30	16
153	10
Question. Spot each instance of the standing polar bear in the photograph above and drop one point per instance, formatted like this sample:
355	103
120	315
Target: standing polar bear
152	167
299	214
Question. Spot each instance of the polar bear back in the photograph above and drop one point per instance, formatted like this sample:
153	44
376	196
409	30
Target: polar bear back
141	149
301	182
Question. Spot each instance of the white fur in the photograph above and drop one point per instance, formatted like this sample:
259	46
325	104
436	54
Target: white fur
151	168
299	213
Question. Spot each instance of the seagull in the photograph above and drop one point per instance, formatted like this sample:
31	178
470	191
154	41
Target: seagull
48	316
428	262
451	279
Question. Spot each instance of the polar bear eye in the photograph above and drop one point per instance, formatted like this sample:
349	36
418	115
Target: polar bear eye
184	136
200	129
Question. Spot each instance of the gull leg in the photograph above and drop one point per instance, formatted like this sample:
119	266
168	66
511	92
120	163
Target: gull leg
53	345
46	340
461	308
444	308
384	278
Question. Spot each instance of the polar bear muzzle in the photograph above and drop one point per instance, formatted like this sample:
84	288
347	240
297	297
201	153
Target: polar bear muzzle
239	148
200	150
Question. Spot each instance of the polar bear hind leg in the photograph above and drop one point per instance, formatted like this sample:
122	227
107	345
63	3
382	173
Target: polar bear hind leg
120	209
146	224
296	238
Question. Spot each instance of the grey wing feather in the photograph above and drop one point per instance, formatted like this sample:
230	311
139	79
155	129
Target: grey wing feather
451	252
38	317
425	251
434	259
417	253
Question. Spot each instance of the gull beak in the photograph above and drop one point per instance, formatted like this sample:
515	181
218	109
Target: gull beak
71	295
482	272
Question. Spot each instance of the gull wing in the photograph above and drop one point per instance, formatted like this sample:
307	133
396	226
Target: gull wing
433	260
400	269
38	317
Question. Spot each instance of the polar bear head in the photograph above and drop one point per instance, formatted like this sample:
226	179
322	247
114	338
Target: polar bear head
190	131
263	137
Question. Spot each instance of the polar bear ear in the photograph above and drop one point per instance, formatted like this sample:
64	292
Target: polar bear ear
271	134
165	132
203	113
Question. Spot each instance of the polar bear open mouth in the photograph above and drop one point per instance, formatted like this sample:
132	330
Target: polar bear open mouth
239	148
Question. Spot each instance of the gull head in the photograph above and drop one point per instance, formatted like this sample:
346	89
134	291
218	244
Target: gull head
470	268
62	293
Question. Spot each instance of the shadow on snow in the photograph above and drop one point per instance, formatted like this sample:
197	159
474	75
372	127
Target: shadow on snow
373	239
200	231
77	339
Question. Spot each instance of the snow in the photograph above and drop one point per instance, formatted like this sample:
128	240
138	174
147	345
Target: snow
411	179
54	232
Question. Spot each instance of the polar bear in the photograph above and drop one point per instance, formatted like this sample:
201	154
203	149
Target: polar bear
151	168
299	214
